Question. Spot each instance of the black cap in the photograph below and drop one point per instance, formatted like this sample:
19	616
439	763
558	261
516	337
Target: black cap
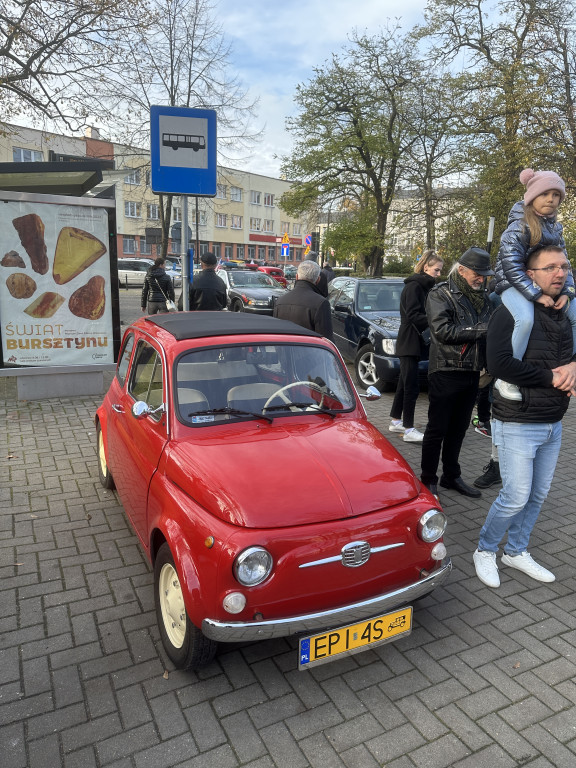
209	258
478	260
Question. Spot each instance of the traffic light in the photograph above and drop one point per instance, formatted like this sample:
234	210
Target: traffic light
315	245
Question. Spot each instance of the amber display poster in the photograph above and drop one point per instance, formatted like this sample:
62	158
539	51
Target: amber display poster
55	306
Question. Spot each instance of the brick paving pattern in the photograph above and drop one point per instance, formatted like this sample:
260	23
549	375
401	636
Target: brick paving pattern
487	677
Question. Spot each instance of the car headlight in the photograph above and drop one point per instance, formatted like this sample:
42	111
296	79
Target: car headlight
432	525
259	302
253	566
389	346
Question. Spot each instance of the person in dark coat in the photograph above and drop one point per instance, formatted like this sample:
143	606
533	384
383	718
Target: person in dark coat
207	290
329	272
322	283
458	311
157	288
410	347
304	304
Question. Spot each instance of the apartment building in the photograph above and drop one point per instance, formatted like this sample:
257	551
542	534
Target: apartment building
243	221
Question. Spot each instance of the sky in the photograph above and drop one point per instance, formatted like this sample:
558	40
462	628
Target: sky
276	45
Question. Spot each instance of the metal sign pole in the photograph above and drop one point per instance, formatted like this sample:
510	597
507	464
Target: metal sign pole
184	253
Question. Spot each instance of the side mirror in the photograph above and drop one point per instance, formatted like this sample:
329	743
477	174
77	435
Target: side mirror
140	410
372	393
342	307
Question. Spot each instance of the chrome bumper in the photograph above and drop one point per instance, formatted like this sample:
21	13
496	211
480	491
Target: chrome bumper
238	632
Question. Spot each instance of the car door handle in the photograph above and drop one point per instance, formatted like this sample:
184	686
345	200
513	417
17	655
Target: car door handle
117	408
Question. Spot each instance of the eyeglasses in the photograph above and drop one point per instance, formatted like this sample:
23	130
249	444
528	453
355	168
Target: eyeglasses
553	268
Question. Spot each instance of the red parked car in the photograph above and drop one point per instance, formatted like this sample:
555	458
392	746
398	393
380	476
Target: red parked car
276	273
200	400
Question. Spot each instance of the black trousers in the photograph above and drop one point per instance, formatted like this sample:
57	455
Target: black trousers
452	395
407	391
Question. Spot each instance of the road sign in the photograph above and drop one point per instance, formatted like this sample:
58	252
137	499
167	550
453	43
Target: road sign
307	250
308	240
285	250
286	238
183	151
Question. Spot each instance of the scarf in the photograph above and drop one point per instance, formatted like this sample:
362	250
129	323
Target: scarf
476	298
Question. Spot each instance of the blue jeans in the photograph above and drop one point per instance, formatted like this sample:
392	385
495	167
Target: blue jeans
522	311
528	454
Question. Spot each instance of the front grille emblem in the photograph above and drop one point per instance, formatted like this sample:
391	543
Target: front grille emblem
355	554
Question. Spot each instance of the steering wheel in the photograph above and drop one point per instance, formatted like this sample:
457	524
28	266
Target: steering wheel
280	392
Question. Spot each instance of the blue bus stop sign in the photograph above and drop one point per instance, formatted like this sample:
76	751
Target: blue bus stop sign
183	147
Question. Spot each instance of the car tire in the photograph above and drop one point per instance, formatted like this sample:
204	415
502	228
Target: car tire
237	306
183	642
103	472
365	369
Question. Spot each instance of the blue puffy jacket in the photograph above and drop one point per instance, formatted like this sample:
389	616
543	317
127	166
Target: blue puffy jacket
515	250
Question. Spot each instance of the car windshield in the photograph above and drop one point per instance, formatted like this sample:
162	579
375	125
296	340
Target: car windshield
379	297
251	280
259	382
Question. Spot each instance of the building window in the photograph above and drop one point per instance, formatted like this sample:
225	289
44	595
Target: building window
201	216
268	225
269	199
262	252
20	155
285	227
128	245
296	229
203	248
227	252
152	211
236	222
133	177
132	210
251	252
239	251
221	220
255	197
216	248
145	247
271	253
175	246
236	194
176	213
221	191
255	224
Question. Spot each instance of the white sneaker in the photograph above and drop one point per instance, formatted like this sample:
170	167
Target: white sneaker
486	568
507	390
527	565
396	426
412	435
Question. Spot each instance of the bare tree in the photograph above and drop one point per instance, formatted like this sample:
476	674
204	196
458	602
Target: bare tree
54	52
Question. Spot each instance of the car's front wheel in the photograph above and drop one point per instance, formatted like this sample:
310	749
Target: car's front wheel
365	368
184	643
103	472
237	306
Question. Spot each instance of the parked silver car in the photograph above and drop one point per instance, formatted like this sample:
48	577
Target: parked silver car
131	272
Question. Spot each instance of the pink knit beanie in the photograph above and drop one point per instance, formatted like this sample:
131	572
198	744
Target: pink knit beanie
538	182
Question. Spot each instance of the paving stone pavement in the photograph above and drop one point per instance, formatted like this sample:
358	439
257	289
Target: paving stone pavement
487	677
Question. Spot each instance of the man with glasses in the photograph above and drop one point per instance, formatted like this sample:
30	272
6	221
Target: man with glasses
527	433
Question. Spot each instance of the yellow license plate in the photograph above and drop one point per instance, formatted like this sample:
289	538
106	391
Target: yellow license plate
319	649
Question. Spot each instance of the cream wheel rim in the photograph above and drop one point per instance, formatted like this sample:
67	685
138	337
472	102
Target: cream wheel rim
172	605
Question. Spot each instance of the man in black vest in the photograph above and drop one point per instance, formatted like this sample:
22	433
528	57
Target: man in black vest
528	432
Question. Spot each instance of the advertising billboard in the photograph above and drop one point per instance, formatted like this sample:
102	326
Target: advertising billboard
55	287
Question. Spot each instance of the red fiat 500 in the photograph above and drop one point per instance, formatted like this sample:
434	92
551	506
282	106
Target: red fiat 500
202	412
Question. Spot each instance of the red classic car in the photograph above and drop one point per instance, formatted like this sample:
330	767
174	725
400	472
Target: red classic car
203	411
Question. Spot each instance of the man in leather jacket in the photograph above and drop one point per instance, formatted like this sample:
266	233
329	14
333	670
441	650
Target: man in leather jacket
207	290
527	433
458	311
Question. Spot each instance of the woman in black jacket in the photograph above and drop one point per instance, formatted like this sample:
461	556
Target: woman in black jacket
410	347
157	288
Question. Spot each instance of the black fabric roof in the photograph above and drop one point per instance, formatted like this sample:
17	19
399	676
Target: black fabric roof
198	325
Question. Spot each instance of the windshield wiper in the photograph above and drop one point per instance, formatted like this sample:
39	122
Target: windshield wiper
231	412
314	406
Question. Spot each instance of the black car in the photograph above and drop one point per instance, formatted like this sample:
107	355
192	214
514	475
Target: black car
366	318
250	290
